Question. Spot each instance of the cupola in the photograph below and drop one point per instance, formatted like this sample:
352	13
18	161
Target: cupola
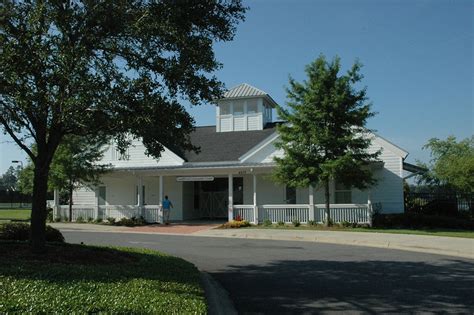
244	107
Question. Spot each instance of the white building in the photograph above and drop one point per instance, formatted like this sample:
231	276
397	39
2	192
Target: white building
230	176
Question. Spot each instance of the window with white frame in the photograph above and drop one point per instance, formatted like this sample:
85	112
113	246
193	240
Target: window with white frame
225	108
252	106
238	107
342	194
290	194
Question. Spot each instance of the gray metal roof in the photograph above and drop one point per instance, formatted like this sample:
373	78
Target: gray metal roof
224	146
244	90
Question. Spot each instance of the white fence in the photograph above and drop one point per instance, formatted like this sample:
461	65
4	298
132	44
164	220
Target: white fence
353	213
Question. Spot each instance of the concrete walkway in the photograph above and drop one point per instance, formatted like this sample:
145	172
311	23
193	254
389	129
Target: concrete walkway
451	246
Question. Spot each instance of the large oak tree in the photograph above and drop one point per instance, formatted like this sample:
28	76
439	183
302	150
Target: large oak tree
116	67
325	137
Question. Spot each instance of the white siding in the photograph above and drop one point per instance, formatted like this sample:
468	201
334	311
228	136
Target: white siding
84	196
120	191
226	124
265	154
239	123
267	191
389	189
254	122
137	157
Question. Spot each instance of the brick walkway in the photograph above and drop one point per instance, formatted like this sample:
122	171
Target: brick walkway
173	228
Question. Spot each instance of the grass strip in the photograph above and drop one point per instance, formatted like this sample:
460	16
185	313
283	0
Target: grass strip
88	279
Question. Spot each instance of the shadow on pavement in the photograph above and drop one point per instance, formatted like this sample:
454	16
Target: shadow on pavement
318	286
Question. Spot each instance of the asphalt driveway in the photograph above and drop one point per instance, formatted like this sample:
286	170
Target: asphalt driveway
265	276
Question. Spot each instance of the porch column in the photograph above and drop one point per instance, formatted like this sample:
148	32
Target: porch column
311	203
140	194
369	209
57	206
160	198
96	208
231	197
255	207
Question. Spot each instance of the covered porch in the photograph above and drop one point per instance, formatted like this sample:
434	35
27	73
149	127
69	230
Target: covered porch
231	193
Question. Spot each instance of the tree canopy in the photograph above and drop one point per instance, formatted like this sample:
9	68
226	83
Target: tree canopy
451	165
9	180
324	137
117	68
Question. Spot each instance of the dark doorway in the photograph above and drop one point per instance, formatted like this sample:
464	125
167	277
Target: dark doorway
211	199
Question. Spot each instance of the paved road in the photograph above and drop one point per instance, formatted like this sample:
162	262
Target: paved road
264	276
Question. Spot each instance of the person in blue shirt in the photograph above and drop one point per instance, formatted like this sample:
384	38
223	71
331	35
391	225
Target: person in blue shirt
167	205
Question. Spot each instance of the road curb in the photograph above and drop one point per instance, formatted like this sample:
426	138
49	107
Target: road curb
380	244
217	297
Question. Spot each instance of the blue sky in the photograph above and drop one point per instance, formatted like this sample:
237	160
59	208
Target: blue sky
417	55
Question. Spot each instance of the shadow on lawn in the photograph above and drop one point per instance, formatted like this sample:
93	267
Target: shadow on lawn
372	286
68	263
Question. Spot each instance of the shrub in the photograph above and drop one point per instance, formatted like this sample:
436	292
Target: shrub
416	220
238	217
80	219
236	224
21	232
58	219
111	220
296	222
312	223
133	221
98	220
281	223
267	222
346	224
89	219
125	222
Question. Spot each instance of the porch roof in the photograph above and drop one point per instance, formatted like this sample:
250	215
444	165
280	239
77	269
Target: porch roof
190	166
224	146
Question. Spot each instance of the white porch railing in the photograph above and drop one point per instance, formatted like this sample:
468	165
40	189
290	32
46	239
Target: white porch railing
86	212
284	213
244	212
151	213
353	213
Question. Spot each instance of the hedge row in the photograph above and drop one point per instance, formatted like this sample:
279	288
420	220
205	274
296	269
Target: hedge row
416	221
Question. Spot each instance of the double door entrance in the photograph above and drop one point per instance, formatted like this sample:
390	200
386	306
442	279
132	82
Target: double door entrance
211	199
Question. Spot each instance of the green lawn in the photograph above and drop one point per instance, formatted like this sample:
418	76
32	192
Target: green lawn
86	279
15	214
433	232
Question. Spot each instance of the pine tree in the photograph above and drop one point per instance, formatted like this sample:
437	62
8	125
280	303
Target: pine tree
325	137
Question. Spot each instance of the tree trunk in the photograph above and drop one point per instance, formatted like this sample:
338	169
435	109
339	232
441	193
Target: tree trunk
38	211
326	196
70	202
